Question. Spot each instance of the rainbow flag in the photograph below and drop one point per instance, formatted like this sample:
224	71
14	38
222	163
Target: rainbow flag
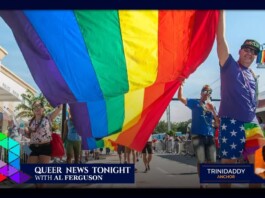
254	138
118	69
261	57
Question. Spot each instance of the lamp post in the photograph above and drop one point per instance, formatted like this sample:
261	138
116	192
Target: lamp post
168	118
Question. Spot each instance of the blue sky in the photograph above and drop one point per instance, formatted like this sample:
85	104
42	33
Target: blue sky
240	25
14	60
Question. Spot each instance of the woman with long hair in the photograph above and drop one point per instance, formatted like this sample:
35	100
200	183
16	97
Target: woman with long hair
40	133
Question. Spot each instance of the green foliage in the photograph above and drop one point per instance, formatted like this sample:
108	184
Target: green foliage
162	127
55	126
171	133
25	108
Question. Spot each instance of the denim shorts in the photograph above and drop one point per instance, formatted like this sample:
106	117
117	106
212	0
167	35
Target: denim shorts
204	148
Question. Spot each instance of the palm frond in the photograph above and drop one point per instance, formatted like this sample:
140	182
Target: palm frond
25	108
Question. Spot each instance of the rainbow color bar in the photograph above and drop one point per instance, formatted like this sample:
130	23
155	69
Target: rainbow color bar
261	57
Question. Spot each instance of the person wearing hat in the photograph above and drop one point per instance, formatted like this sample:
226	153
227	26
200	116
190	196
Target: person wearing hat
238	99
202	133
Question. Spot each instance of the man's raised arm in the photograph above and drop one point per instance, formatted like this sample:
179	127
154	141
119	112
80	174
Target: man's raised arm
222	48
180	95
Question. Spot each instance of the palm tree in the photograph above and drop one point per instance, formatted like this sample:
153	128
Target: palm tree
25	108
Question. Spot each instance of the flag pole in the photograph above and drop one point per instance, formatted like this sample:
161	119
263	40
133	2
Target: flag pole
63	118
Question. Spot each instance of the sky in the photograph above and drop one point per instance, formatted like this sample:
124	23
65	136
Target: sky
240	25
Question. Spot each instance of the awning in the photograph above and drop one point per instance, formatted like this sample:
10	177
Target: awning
6	96
4	116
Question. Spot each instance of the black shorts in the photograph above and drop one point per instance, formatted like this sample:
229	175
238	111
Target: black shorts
41	149
148	148
120	149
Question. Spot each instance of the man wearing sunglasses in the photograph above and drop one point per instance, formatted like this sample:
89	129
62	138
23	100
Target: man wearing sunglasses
238	98
202	132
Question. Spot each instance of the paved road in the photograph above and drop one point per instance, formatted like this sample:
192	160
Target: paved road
167	171
164	173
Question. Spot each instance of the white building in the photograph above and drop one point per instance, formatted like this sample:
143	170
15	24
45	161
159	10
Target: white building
11	88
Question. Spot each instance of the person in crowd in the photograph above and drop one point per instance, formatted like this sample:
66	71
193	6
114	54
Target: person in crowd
176	145
188	136
40	133
147	154
13	129
120	151
96	153
238	98
128	152
107	151
154	142
261	124
167	142
188	144
137	155
73	144
203	112
216	126
163	143
86	155
170	144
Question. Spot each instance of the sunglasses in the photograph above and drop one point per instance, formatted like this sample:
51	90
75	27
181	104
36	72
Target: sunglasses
250	50
209	92
37	107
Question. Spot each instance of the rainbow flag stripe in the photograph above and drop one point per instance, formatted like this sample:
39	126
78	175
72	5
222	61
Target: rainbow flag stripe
261	57
259	163
118	70
254	138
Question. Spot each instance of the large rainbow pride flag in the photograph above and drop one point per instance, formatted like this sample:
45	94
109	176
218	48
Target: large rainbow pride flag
118	70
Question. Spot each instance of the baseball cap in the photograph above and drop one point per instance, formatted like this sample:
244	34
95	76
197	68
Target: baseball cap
252	44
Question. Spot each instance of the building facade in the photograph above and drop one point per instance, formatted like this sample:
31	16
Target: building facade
261	106
11	88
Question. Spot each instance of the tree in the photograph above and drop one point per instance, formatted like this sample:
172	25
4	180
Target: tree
182	126
25	108
161	127
174	126
171	133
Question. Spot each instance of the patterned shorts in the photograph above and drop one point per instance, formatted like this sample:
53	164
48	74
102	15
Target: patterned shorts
238	138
